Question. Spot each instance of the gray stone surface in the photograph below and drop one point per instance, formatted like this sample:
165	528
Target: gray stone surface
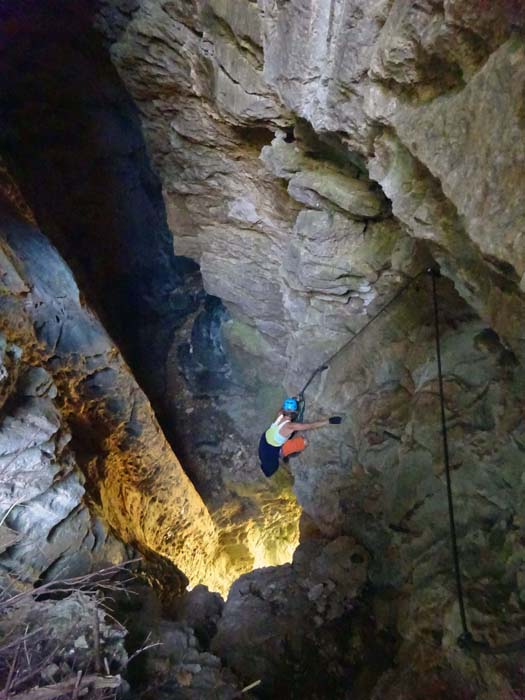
41	488
277	618
478	131
318	55
178	665
422	99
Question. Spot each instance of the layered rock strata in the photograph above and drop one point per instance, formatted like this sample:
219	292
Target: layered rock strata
313	156
73	412
112	231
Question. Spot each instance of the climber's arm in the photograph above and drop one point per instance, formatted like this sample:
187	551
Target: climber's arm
290	428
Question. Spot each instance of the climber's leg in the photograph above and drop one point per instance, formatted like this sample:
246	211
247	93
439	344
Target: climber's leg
269	456
294	446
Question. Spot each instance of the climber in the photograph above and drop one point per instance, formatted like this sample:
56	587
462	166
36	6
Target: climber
279	440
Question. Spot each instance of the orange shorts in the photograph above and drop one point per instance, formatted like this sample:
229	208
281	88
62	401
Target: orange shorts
293	445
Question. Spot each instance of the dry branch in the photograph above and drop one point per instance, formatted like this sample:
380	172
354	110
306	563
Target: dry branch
250	687
76	689
96	638
27	653
86	583
50	692
12	670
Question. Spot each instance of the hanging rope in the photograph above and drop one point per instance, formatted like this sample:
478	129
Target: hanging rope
326	363
465	641
451	518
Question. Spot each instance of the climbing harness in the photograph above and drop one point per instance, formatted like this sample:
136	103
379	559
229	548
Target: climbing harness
465	640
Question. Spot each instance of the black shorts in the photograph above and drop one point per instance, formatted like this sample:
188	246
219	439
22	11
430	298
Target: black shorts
269	456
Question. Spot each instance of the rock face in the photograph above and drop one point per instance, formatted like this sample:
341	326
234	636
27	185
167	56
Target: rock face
313	157
279	622
112	232
69	402
47	529
179	664
398	100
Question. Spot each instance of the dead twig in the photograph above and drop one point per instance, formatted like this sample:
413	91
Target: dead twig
50	692
145	646
8	511
12	670
84	583
76	689
250	687
96	641
27	635
26	676
28	657
26	652
143	649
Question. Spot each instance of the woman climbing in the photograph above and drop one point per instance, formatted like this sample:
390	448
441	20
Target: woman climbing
279	441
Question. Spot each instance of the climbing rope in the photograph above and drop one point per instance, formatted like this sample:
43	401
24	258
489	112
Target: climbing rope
327	362
325	365
452	521
465	640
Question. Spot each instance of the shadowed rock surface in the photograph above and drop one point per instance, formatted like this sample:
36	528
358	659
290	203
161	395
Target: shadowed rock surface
282	209
63	351
112	230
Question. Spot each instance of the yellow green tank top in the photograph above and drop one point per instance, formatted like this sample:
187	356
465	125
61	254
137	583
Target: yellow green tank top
273	437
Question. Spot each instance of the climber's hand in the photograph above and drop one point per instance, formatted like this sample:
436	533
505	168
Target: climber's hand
335	420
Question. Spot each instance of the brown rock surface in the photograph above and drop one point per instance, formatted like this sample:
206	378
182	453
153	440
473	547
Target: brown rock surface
136	480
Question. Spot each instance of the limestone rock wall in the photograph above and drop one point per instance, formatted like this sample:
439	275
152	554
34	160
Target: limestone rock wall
313	157
72	413
47	530
112	231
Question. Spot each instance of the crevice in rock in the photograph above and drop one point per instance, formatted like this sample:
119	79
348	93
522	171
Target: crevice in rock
70	118
245	44
102	206
257	136
415	188
329	146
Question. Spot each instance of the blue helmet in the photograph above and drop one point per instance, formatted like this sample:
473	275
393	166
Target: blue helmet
290	404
